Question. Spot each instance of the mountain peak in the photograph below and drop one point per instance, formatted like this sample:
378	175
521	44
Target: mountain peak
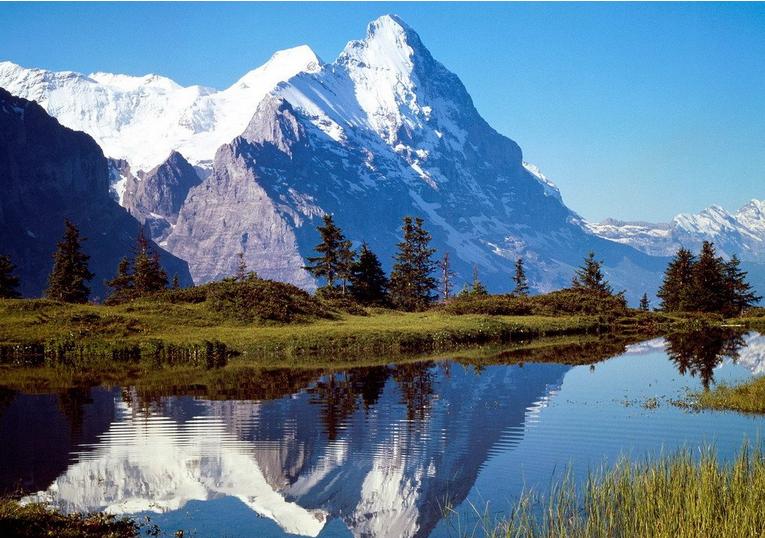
389	44
283	65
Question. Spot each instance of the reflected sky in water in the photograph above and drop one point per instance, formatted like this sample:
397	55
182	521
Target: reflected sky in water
380	451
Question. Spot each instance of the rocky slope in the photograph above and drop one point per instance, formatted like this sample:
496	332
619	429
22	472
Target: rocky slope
49	173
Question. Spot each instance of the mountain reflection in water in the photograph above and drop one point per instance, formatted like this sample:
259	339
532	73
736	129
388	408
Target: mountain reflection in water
384	450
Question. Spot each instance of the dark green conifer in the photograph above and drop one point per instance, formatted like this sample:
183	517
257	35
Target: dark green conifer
740	294
9	282
176	282
369	285
708	291
148	275
675	291
335	255
121	284
477	288
411	283
590	276
67	280
645	304
520	280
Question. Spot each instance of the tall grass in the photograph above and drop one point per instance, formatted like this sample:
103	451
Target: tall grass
748	397
676	496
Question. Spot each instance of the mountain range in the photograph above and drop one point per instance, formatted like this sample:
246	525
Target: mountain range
383	131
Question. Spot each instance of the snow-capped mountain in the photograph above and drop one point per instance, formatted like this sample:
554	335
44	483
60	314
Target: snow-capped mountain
741	233
143	119
383	131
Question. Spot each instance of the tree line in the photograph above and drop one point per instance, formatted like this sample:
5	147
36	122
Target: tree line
703	283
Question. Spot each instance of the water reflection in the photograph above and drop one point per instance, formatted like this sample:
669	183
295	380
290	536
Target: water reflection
698	353
377	451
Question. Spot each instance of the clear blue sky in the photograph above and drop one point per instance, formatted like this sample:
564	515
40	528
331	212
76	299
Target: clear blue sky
637	111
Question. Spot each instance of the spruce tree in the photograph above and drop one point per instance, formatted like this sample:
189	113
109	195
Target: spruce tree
369	285
67	280
675	290
148	275
708	291
477	288
9	283
121	284
590	276
241	267
411	283
447	275
176	282
740	294
335	255
645	304
520	280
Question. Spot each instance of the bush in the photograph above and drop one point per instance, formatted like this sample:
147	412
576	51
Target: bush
569	301
255	299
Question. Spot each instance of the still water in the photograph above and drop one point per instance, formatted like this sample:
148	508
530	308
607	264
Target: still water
380	451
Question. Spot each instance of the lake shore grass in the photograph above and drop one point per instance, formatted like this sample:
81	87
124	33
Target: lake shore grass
35	520
676	496
747	397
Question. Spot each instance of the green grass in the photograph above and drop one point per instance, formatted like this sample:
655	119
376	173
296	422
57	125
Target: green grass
36	520
100	328
673	497
748	397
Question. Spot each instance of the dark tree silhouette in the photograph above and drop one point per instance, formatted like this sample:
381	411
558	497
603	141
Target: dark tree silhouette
68	279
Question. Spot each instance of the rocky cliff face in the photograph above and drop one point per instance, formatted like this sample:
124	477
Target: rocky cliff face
49	173
155	198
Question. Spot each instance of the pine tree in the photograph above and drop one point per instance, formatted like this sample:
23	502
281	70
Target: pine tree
9	283
520	280
411	283
121	284
708	289
369	285
176	282
590	276
675	291
447	275
740	294
67	280
148	275
335	255
347	260
645	304
477	288
241	268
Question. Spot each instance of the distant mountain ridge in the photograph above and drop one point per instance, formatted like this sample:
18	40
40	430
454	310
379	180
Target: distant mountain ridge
741	233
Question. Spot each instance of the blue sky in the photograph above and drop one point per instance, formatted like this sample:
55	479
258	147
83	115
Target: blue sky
636	111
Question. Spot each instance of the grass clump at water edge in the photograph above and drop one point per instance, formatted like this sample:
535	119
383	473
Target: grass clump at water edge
675	496
33	520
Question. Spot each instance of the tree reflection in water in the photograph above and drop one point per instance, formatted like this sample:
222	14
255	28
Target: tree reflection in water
698	353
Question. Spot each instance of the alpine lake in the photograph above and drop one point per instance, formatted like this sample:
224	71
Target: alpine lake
420	448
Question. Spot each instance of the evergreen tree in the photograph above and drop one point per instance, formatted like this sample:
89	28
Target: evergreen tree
447	275
176	282
67	280
411	283
369	285
590	276
121	284
708	291
241	268
645	304
335	255
9	283
740	294
520	280
347	259
148	275
675	291
477	288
